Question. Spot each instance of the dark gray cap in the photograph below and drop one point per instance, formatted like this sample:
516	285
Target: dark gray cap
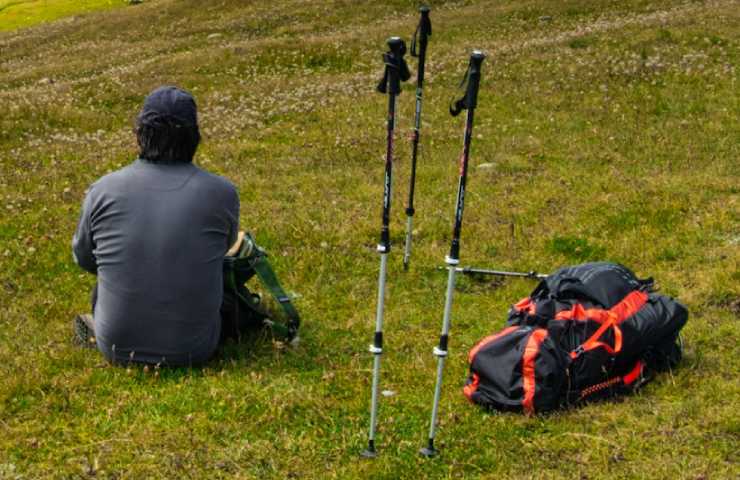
167	104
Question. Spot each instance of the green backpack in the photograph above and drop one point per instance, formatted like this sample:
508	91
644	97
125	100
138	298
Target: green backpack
251	260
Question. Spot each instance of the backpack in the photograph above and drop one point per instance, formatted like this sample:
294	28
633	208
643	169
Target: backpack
248	261
610	326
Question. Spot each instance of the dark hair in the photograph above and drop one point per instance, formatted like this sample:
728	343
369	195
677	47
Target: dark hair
165	139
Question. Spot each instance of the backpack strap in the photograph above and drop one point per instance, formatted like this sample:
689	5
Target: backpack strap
595	342
611	318
258	261
269	279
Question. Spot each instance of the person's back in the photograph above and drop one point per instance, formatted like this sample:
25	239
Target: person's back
156	234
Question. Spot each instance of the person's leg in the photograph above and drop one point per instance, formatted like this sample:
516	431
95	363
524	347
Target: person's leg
229	319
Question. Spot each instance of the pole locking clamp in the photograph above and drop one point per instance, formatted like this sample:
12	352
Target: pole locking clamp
439	353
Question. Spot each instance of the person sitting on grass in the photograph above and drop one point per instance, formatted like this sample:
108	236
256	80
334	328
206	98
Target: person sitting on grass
155	234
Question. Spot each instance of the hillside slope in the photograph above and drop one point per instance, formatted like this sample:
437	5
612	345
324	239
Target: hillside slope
605	130
16	14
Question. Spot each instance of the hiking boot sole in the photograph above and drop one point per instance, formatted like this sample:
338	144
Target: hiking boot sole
84	334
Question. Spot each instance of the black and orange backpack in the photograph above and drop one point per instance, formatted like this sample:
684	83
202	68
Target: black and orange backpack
588	331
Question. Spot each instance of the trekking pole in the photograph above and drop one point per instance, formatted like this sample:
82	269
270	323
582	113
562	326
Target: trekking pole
396	71
423	32
467	102
499	273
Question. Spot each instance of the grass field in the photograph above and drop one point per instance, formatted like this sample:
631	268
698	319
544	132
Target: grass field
23	13
605	130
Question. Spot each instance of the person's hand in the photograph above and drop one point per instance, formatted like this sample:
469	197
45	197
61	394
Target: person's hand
237	244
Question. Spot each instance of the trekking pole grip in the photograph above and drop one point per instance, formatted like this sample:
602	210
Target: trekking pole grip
396	69
423	32
471	95
425	24
471	81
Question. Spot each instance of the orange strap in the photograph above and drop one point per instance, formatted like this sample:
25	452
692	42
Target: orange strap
634	374
630	305
528	368
594	342
471	388
526	305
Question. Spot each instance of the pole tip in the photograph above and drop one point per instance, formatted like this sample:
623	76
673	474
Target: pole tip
369	453
428	452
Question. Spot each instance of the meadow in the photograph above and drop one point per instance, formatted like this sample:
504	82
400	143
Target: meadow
16	14
604	131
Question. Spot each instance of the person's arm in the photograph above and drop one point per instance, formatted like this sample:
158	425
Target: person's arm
82	241
233	218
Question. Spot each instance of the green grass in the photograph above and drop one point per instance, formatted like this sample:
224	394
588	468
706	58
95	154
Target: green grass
612	129
23	13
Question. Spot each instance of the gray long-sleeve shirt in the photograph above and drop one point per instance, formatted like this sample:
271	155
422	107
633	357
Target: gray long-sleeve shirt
156	235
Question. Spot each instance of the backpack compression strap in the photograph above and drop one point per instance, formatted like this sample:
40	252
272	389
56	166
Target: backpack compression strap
630	305
633	380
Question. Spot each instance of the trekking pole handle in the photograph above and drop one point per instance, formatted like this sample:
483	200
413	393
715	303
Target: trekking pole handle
396	69
422	34
471	95
471	81
397	46
426	25
424	31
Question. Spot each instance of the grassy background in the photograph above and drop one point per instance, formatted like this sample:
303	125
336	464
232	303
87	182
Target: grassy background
23	13
605	130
